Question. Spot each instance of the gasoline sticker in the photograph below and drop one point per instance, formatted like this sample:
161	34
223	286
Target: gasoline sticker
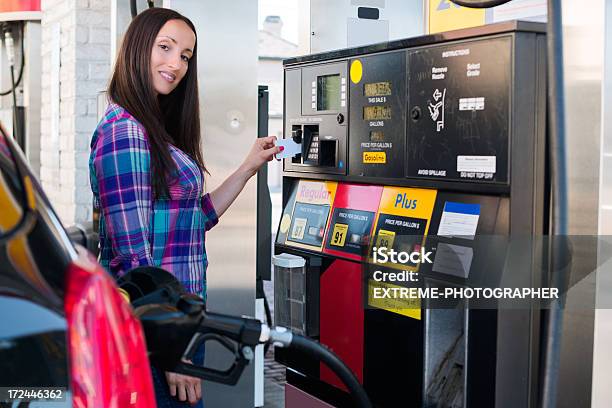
285	223
298	228
339	235
374	157
356	71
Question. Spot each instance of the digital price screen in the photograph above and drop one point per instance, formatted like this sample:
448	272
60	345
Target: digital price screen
377	136
377	89
376	112
328	92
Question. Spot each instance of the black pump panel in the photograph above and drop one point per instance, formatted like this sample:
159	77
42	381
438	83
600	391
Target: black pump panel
462	94
378	116
315	116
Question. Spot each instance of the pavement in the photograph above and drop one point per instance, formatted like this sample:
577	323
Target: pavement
274	373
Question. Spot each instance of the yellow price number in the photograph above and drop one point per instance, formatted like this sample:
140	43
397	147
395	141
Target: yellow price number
299	226
339	235
385	239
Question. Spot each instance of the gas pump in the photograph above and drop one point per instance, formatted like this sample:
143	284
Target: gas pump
20	81
433	142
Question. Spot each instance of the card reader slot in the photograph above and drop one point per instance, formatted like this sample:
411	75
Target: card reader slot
310	145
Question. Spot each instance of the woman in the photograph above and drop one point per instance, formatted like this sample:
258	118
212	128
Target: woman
146	167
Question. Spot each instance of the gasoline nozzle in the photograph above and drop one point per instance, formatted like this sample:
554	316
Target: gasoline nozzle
9	44
176	325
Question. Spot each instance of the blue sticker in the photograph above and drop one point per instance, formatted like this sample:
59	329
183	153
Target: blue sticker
462	208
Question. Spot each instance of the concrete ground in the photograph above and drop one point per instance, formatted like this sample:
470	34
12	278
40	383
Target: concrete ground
274	373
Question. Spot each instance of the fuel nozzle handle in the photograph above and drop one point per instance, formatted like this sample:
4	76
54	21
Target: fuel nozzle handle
244	330
9	44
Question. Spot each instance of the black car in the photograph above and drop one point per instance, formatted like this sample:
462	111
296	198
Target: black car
66	332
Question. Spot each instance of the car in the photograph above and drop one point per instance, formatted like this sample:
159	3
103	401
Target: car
67	333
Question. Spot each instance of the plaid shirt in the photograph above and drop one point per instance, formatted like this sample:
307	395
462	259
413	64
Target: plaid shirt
135	228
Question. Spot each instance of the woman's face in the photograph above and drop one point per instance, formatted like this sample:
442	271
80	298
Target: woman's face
170	55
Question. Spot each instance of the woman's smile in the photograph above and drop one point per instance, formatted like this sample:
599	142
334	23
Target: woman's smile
168	76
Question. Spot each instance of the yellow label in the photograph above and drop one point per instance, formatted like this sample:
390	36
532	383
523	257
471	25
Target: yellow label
339	235
444	15
374	157
408	202
409	307
298	228
385	239
285	223
356	71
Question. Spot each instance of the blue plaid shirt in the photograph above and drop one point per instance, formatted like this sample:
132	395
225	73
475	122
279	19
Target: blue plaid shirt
135	228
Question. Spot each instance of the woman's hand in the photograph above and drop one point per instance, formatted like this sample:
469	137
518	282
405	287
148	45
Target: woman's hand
184	387
263	151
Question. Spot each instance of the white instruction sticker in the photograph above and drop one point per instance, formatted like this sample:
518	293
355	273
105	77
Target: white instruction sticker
471	104
459	220
476	164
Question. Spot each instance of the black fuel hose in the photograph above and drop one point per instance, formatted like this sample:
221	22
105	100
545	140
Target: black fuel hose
322	353
268	320
16	83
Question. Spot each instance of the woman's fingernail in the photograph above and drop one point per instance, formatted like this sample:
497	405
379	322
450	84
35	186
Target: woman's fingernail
281	148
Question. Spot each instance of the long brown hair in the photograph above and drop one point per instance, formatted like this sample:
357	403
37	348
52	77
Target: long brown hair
172	118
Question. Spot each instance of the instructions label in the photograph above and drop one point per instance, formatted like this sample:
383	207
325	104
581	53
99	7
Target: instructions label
477	164
459	220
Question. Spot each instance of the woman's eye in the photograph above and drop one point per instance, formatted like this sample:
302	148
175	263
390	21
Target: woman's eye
163	47
185	58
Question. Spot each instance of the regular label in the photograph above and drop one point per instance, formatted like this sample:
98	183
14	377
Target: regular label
339	235
374	157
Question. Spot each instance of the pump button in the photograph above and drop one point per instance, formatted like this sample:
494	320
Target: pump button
340	118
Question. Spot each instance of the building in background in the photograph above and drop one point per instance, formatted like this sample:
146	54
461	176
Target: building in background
273	49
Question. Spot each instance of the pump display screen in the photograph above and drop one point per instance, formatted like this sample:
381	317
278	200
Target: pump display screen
376	112
377	89
328	92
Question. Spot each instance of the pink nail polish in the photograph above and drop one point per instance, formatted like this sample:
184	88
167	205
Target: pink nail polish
281	148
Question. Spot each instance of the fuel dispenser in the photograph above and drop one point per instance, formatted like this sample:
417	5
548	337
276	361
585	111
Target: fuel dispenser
430	141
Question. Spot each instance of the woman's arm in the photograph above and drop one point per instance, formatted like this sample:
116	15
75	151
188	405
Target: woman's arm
263	151
122	170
